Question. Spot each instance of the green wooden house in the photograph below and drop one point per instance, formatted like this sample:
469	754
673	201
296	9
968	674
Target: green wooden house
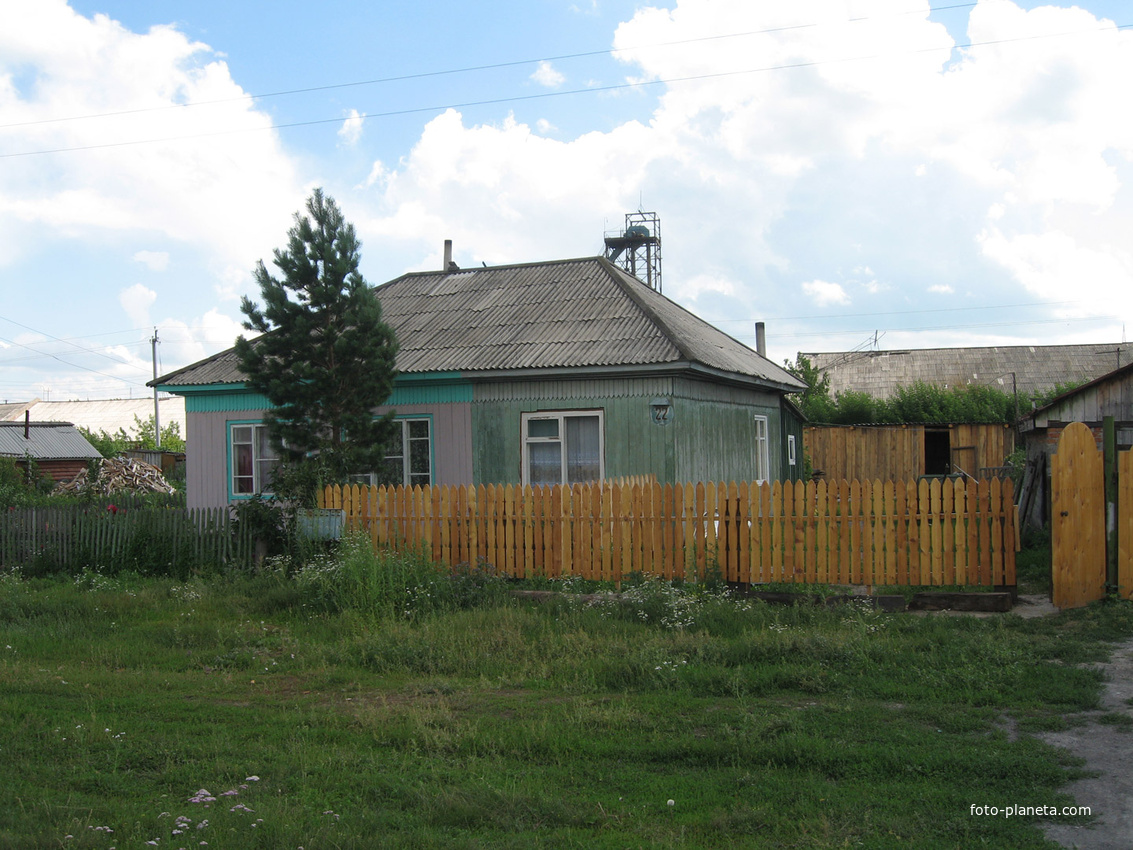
535	373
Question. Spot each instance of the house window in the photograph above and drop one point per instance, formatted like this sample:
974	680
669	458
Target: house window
409	458
791	449
762	456
563	448
253	459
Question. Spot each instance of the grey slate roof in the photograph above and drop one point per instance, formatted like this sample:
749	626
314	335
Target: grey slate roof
46	441
568	314
1033	368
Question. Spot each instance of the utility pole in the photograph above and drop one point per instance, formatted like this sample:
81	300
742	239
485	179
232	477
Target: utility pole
156	411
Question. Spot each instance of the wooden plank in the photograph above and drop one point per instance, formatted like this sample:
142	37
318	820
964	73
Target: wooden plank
514	565
656	495
902	524
747	531
783	555
995	520
924	532
669	531
948	532
845	518
818	532
983	514
1125	524
767	568
797	490
936	522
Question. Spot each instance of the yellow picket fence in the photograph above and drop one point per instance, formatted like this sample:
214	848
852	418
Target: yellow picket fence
930	533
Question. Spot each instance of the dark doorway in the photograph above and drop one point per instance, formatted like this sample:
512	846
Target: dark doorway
937	452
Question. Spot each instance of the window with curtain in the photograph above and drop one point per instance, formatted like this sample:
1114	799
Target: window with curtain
253	459
563	447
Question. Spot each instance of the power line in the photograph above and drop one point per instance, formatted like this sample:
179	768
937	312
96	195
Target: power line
949	327
813	318
547	95
468	69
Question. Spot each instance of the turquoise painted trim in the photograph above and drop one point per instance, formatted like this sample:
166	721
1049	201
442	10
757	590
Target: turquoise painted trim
437	394
189	389
433	388
225	401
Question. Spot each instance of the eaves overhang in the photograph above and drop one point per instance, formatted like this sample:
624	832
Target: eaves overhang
670	369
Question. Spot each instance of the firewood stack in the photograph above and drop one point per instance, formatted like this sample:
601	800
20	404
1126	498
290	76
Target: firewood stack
119	475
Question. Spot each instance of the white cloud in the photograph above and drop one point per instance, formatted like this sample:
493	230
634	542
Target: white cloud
823	293
546	75
877	150
136	301
228	193
351	130
155	261
941	289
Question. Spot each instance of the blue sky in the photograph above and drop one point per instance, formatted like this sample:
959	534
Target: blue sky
951	174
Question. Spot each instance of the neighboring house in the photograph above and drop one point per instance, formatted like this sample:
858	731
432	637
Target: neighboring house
1021	369
109	415
533	373
58	449
1109	395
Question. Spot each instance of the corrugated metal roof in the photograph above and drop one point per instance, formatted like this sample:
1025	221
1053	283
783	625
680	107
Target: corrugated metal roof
1025	368
107	415
565	314
46	441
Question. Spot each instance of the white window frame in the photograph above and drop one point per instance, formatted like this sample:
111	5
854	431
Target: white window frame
762	451
561	416
408	476
259	460
790	449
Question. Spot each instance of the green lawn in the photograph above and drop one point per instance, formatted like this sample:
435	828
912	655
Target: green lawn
371	703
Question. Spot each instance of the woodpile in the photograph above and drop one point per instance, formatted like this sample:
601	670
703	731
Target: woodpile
118	475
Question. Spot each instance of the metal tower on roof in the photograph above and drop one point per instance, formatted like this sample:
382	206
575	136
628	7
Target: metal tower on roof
637	249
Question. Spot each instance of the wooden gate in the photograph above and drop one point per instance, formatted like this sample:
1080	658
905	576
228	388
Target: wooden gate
1078	519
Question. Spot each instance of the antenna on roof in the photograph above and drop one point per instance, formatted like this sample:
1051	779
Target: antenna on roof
637	249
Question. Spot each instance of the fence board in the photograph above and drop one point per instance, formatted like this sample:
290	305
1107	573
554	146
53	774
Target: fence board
871	533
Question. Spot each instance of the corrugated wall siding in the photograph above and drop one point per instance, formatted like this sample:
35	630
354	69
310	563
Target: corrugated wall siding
633	444
206	462
711	435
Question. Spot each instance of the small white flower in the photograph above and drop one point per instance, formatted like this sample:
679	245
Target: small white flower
672	802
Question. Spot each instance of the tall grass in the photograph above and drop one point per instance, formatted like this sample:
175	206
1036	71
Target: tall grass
380	701
356	577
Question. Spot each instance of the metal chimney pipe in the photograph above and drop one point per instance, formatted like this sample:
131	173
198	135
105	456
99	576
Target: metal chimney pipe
448	255
761	339
27	424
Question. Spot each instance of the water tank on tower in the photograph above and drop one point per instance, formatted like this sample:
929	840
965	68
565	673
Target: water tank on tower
637	248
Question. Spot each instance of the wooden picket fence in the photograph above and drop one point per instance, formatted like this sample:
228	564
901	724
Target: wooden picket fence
77	536
930	533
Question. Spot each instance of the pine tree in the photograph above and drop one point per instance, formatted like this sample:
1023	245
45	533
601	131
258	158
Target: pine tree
325	359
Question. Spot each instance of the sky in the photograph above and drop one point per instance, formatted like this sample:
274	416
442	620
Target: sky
854	173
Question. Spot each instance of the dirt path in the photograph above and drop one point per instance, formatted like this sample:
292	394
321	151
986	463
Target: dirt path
1106	747
1108	751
